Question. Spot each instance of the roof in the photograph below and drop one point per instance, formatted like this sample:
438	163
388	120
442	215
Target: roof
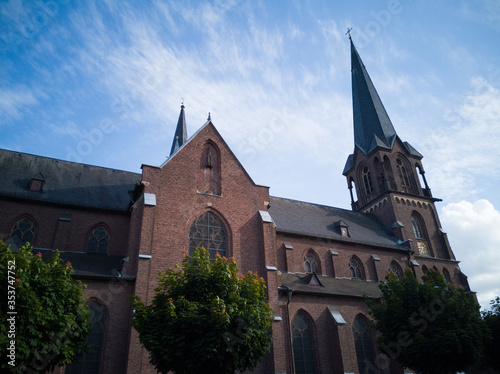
89	265
180	135
372	125
65	182
331	286
301	218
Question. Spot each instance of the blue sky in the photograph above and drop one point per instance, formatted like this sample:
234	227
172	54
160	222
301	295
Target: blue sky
101	83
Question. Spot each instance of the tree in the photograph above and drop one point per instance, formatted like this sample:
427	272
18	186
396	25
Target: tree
205	318
492	345
44	315
430	327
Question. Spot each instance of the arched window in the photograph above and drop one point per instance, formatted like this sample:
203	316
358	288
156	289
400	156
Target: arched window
209	232
304	351
311	263
423	247
98	240
446	275
396	269
403	173
356	268
24	229
367	180
364	344
90	362
425	270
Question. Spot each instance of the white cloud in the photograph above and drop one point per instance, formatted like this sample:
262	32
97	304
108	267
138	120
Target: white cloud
15	101
466	144
474	234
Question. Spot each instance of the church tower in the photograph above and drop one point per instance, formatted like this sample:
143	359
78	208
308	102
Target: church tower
385	175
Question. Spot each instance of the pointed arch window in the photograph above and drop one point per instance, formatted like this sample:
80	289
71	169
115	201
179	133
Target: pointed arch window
311	263
24	229
98	240
403	173
446	275
365	347
356	268
423	247
367	180
209	232
90	362
304	351
396	269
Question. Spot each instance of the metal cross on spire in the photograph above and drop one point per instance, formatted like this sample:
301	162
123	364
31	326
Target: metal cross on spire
349	31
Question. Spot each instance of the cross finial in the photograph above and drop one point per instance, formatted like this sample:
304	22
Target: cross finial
209	119
349	32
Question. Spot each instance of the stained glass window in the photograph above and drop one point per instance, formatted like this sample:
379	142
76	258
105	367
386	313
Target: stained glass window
304	352
356	269
310	263
208	232
98	241
396	269
364	344
24	229
90	361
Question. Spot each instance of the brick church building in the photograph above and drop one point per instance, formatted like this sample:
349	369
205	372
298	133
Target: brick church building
120	229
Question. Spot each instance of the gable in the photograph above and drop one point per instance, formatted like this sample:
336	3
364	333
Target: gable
206	160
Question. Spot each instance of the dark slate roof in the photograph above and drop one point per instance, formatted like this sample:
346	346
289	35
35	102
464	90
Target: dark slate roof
301	218
372	126
180	135
340	287
65	182
89	265
412	151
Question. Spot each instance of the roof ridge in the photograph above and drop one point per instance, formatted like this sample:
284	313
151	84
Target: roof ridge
69	162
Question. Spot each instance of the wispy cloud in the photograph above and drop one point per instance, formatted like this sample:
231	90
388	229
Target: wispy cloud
473	233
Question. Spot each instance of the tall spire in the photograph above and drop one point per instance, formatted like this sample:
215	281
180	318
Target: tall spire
372	125
180	135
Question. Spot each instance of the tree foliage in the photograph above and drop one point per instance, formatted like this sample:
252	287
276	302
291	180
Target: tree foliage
205	318
44	315
492	345
431	327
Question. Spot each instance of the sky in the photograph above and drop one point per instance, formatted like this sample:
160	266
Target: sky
101	82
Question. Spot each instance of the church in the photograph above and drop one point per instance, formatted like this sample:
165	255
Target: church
120	229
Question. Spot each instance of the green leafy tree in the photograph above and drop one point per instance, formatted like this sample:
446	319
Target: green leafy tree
492	345
44	315
431	327
205	318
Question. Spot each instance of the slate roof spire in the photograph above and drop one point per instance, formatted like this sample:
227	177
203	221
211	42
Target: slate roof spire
372	126
180	135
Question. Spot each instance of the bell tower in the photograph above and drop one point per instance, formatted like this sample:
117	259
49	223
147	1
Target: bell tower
385	175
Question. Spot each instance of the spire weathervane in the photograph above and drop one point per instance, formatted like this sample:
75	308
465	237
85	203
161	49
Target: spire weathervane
349	31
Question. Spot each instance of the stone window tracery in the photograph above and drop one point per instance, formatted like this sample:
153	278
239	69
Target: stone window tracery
311	263
396	269
356	268
364	344
367	180
403	173
304	351
208	232
90	362
24	229
98	240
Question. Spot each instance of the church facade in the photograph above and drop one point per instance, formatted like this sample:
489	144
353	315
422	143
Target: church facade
120	229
